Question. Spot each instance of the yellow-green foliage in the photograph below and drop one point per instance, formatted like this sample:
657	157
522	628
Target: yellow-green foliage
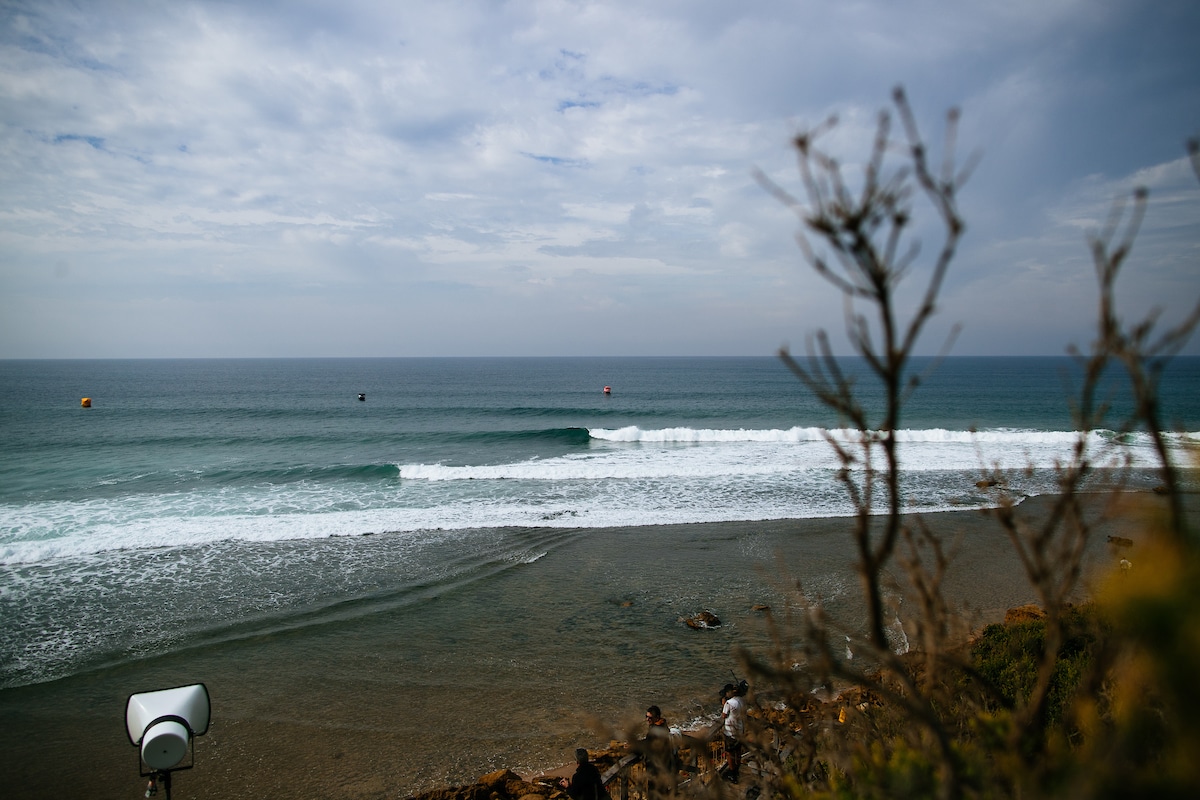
1146	739
1122	711
1100	700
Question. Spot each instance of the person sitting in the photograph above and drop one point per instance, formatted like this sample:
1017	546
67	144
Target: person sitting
586	783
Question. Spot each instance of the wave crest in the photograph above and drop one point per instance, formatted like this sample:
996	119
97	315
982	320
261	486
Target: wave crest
799	435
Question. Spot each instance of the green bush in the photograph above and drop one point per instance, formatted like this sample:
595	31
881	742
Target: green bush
1009	657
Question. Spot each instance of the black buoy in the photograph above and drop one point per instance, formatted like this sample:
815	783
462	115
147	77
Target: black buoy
362	397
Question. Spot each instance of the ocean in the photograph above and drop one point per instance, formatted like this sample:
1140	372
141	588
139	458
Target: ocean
474	535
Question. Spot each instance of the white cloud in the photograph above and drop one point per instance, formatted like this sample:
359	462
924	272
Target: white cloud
525	166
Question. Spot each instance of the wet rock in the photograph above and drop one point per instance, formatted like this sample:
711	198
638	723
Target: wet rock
499	778
475	791
705	619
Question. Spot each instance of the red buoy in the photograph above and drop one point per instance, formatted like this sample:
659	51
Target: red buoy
608	390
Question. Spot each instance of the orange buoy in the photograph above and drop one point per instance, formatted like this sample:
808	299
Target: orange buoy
85	402
608	390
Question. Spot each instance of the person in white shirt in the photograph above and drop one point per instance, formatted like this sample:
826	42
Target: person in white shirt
733	713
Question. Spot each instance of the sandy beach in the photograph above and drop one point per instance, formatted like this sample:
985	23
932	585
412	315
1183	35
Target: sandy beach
369	707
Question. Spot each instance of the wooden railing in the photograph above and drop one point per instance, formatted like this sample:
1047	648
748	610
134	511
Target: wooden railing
627	779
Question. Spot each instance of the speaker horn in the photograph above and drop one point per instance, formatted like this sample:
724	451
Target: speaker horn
164	722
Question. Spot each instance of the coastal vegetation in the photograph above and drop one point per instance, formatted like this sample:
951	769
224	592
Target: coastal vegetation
1091	699
1089	692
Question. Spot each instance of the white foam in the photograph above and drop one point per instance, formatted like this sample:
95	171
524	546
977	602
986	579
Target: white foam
633	433
1006	436
625	478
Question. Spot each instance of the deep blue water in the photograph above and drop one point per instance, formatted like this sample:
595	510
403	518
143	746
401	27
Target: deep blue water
257	474
283	449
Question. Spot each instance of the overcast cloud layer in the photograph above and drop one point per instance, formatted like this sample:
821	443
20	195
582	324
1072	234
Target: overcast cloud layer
558	178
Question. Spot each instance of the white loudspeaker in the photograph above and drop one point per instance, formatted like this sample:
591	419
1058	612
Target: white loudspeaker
163	723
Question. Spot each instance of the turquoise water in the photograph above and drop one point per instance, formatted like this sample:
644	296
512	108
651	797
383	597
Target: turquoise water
246	486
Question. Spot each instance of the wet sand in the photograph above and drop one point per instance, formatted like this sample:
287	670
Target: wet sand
372	708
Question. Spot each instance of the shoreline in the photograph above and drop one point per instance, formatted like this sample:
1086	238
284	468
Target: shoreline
331	712
970	530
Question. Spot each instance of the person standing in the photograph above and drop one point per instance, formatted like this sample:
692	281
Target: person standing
659	754
733	715
656	725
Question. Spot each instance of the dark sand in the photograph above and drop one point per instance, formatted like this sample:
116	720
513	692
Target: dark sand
316	713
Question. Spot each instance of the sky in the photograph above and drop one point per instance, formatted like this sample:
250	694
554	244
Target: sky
564	177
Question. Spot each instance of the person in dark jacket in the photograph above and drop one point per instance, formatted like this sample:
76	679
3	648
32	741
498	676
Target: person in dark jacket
586	783
662	762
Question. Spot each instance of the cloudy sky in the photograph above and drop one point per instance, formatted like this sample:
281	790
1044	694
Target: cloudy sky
559	177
